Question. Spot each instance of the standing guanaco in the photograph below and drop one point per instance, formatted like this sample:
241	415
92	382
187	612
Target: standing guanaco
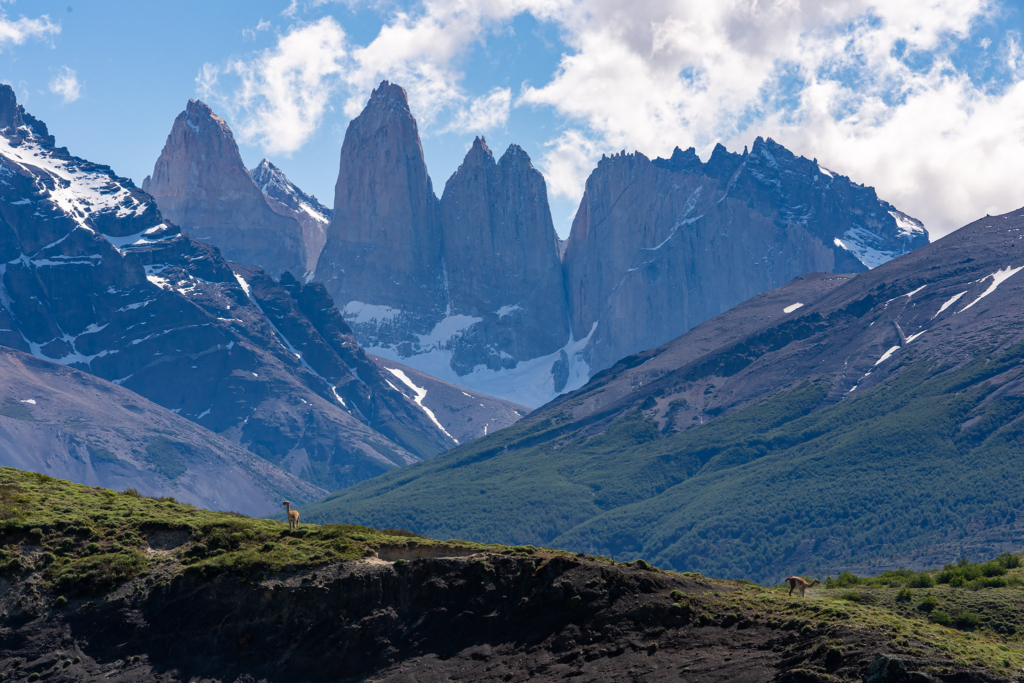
293	518
797	583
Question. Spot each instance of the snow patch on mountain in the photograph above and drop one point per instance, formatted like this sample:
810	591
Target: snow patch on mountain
529	383
419	393
998	278
864	245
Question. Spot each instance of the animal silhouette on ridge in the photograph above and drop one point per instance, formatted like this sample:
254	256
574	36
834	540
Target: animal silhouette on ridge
798	583
293	519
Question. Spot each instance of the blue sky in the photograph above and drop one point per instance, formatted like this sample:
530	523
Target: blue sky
923	99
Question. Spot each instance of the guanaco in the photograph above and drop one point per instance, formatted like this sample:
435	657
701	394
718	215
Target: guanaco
797	583
293	518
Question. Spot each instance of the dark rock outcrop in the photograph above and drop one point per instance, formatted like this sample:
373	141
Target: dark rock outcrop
285	198
201	184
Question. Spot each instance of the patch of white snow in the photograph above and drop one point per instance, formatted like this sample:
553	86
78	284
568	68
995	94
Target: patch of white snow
420	394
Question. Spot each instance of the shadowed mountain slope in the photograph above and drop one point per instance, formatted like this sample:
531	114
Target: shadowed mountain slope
68	424
838	422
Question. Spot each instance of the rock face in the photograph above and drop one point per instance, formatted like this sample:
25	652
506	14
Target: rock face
658	247
286	199
200	183
383	261
501	251
72	425
93	278
468	290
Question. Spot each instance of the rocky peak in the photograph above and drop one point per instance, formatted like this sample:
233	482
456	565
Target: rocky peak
681	162
384	244
201	184
502	257
723	163
287	199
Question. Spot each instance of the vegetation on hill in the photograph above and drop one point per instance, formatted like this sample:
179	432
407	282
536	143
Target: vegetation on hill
64	546
917	471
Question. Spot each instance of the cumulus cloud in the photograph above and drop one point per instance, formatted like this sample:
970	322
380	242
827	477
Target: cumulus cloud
483	113
872	88
284	91
16	32
66	84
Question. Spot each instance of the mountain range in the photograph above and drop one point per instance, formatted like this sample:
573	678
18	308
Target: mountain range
841	422
95	278
476	289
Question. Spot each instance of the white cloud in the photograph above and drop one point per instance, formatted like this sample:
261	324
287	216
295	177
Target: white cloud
483	113
867	86
19	31
250	33
284	91
66	84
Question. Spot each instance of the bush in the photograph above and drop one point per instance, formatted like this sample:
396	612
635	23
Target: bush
966	621
928	604
1009	560
905	595
677	595
844	580
921	580
941	618
132	493
992	568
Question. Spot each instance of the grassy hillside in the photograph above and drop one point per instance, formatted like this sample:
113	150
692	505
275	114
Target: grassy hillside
73	555
926	464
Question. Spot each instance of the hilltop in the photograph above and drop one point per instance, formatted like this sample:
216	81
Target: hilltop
105	585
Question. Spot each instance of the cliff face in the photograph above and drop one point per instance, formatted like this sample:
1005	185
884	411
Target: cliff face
657	247
200	183
503	267
382	261
468	288
286	199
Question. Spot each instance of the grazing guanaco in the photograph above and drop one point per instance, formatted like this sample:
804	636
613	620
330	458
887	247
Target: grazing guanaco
293	517
797	583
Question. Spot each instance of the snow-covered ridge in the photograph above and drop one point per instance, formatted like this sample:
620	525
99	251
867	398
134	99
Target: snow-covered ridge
78	191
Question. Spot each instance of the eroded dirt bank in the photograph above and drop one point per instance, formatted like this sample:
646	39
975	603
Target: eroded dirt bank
488	617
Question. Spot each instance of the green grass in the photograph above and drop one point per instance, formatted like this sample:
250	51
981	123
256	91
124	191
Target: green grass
85	540
921	463
74	542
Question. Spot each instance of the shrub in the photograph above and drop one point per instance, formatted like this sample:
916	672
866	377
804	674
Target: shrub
966	621
677	595
992	568
928	604
132	493
844	580
575	601
921	580
956	581
1009	560
905	595
941	618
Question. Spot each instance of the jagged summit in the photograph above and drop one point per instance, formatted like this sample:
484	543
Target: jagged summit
389	95
286	199
201	184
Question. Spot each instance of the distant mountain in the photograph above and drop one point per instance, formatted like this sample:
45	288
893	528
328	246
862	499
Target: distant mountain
658	247
286	199
201	184
476	288
94	278
72	425
841	421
